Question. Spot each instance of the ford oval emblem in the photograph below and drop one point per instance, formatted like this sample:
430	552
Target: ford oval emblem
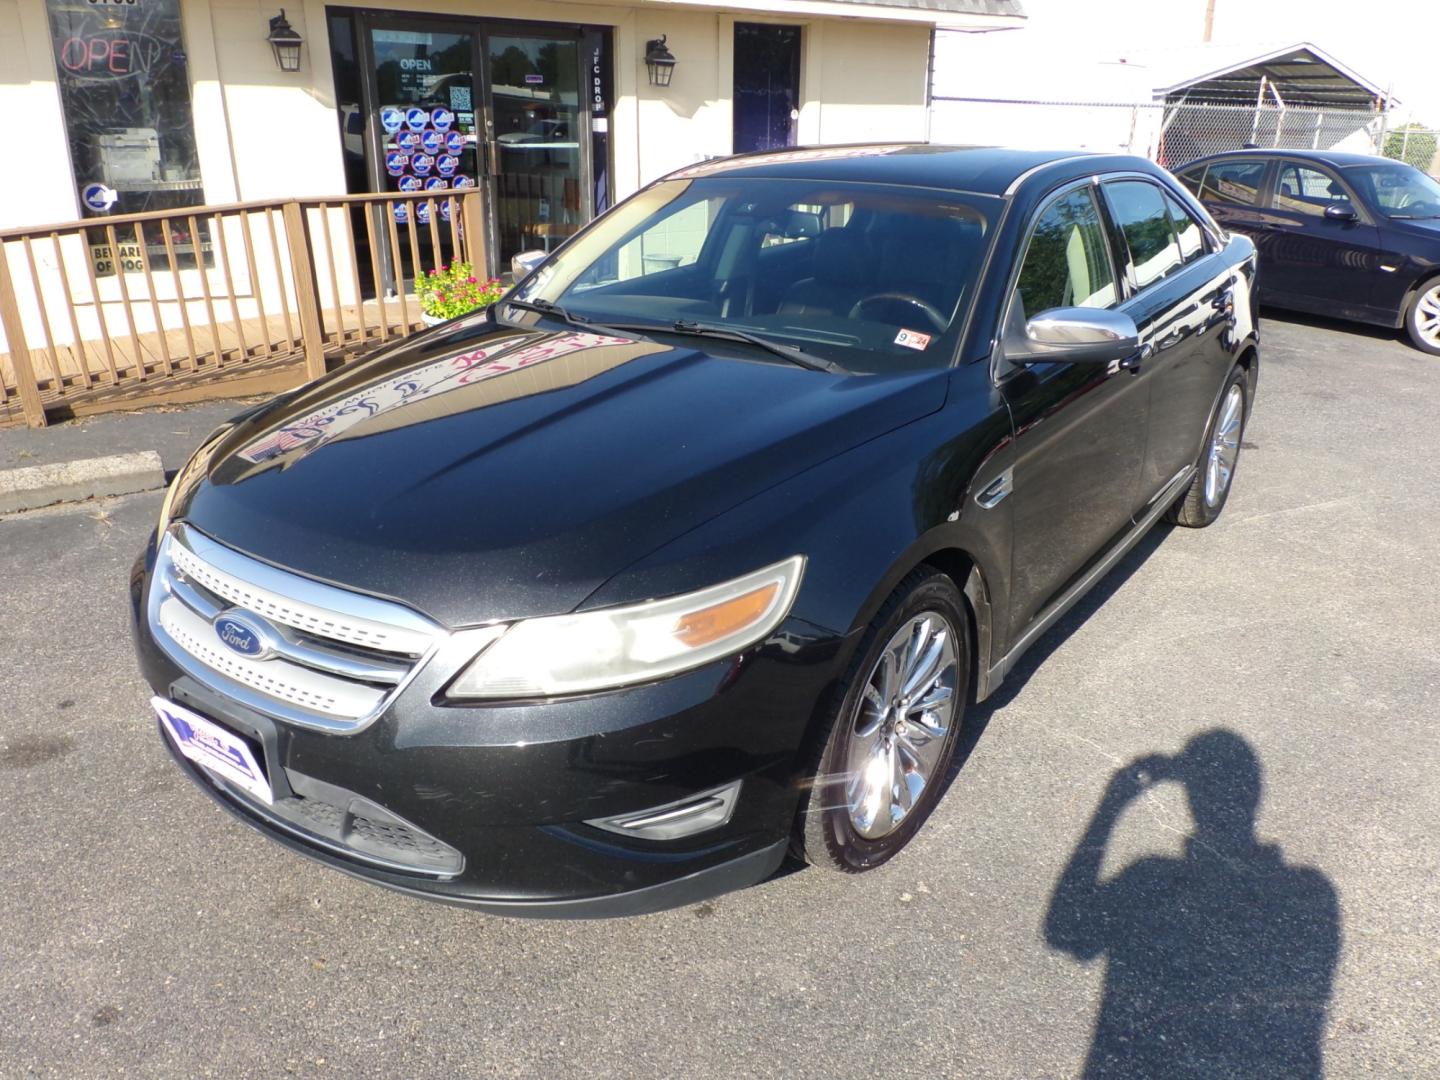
241	634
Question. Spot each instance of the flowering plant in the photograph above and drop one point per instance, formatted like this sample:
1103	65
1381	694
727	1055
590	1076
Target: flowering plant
448	291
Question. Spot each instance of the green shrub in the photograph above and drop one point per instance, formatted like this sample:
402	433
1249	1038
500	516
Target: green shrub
453	290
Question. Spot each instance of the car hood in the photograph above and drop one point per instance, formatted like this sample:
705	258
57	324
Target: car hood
487	471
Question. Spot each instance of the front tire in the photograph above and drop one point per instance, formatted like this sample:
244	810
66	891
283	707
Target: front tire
1210	490
1422	318
889	742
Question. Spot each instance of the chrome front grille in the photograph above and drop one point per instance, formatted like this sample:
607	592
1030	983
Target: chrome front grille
331	658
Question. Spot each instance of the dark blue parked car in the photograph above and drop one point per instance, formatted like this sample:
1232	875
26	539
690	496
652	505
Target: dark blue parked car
1347	235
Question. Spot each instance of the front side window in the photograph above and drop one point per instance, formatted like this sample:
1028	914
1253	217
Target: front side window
1067	263
872	277
1235	182
1398	191
1303	190
1138	208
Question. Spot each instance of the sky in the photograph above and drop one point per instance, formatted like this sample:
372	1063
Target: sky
1389	42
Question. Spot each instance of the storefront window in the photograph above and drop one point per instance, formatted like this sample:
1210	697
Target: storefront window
125	92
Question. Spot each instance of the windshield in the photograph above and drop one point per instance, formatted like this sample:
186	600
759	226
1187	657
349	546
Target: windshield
873	278
1397	191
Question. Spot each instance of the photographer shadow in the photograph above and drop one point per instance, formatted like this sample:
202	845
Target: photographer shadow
1218	963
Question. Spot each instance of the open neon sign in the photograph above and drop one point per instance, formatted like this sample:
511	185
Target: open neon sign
111	54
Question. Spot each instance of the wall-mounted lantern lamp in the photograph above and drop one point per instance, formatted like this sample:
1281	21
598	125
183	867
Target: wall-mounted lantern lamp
659	61
286	42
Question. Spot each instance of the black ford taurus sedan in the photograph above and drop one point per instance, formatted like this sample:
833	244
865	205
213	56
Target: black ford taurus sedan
694	549
1346	235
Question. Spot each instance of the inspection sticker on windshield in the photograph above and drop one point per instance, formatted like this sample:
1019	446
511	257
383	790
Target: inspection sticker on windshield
222	752
913	339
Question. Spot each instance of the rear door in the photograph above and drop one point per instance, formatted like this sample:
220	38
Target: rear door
1181	300
1308	260
1080	429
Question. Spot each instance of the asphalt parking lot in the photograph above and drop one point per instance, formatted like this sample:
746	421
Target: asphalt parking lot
144	932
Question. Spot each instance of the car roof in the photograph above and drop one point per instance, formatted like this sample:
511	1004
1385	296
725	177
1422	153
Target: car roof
986	170
1339	158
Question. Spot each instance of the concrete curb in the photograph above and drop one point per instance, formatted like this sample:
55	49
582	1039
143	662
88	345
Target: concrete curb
71	481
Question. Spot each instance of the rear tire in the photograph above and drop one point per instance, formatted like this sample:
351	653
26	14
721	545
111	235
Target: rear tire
1215	471
1422	318
889	741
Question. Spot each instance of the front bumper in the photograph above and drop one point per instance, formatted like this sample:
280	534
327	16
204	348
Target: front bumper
487	805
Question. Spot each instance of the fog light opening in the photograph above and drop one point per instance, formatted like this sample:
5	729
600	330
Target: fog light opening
673	821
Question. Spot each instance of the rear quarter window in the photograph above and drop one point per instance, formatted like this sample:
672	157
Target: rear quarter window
1192	179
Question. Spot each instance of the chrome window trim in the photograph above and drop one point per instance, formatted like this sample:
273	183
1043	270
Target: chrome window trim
1019	180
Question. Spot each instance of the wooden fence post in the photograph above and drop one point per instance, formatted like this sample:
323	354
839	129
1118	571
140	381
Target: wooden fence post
472	213
307	294
19	350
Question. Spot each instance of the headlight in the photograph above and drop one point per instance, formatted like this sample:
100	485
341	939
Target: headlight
594	650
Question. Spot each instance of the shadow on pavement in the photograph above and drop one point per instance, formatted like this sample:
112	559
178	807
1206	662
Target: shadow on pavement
1340	326
1218	963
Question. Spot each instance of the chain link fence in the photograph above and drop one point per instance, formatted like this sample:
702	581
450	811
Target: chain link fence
1172	134
1414	145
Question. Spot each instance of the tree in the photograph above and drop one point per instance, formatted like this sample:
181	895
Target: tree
1412	144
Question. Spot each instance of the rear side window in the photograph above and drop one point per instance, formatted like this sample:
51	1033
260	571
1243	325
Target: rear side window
1067	263
1138	208
1235	182
1187	230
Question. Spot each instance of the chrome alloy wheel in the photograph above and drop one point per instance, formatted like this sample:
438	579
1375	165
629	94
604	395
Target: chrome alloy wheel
1224	447
901	725
1427	316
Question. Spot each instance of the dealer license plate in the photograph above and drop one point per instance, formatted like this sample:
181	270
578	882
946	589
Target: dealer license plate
208	744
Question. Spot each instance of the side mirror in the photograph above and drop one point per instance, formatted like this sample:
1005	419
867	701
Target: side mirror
526	261
1073	335
1341	211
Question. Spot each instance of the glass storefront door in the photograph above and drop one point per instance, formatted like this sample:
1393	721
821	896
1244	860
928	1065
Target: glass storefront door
540	138
429	103
424	118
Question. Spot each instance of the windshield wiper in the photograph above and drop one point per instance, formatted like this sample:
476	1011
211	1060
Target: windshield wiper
545	307
1413	217
793	353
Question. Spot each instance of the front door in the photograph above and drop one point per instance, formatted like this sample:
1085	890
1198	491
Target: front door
1080	429
1183	298
767	86
1310	261
539	143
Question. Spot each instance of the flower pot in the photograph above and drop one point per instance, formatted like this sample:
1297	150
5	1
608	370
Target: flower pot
432	320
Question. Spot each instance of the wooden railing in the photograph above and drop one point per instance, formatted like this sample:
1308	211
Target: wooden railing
213	301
